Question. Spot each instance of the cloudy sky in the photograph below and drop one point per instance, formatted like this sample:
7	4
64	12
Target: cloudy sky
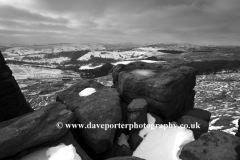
119	21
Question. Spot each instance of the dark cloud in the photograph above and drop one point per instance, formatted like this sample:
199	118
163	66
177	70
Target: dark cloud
149	21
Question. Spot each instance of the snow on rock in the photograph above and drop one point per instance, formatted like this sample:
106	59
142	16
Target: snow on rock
150	119
163	143
87	92
60	152
123	62
151	61
123	139
146	61
89	66
143	72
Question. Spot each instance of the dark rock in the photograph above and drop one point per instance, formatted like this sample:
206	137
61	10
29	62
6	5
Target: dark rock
134	139
200	113
99	108
124	151
116	151
67	139
34	129
125	158
167	88
214	145
2	60
223	121
137	112
124	107
12	101
138	105
193	124
158	120
110	153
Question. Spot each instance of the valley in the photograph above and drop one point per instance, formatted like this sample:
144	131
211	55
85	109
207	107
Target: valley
44	71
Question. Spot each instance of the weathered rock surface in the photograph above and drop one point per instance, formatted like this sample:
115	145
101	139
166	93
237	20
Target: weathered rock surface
137	112
33	129
167	88
194	123
99	108
12	101
71	97
214	145
200	113
125	158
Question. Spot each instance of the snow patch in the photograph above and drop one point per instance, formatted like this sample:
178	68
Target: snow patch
235	122
123	62
123	139
89	66
166	143
60	152
150	61
150	119
143	72
87	92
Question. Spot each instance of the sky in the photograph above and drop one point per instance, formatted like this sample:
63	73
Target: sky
215	22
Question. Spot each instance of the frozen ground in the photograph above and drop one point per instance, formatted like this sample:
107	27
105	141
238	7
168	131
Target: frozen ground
220	94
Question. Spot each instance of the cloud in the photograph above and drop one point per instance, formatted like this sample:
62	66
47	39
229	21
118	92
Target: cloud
10	12
152	21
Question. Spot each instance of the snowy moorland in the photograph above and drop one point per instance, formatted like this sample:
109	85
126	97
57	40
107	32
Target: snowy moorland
43	71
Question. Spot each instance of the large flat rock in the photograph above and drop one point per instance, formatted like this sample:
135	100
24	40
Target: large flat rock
99	108
167	88
71	97
33	129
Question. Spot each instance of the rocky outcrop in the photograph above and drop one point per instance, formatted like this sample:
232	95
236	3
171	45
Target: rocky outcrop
137	112
34	129
214	145
198	126
167	88
12	101
99	108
